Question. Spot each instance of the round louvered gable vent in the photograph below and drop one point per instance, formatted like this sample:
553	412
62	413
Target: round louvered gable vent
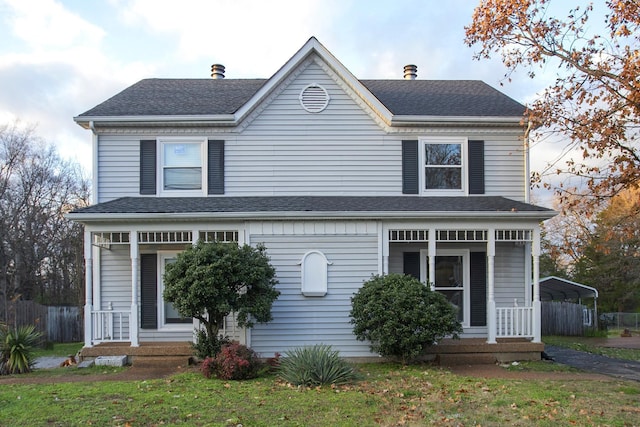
314	98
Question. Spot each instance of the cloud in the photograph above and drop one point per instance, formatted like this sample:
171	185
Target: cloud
251	38
52	68
46	24
60	58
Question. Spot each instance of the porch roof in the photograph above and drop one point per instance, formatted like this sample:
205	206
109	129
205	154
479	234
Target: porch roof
309	206
557	289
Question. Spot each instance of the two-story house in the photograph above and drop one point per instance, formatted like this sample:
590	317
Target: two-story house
339	178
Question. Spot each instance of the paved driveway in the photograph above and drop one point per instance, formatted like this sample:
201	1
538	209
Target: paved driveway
626	369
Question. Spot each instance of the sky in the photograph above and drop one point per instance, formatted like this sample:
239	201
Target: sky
59	58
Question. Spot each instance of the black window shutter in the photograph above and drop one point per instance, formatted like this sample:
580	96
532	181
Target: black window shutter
215	163
411	264
410	177
478	288
476	167
148	167
148	291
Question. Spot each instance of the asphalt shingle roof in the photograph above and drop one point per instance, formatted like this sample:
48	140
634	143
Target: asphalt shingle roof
170	97
173	97
308	204
443	98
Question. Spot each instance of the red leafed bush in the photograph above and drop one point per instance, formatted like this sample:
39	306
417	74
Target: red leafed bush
234	362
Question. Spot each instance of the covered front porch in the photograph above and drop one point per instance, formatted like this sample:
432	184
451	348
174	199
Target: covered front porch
490	273
124	284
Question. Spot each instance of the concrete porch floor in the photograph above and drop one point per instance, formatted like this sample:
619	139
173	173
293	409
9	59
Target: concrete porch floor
148	354
476	351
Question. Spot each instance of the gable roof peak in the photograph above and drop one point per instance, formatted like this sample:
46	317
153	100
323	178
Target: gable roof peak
225	101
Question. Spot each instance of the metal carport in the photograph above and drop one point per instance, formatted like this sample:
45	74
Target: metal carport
554	288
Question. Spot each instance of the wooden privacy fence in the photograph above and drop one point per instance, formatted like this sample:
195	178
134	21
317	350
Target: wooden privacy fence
57	324
565	318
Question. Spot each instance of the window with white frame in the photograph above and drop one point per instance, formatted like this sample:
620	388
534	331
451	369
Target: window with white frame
452	279
168	316
443	162
182	162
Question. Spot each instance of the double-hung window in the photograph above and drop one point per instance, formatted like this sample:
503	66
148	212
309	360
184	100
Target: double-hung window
167	313
182	166
452	279
443	163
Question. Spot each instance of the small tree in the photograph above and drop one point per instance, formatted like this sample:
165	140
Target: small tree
209	281
400	316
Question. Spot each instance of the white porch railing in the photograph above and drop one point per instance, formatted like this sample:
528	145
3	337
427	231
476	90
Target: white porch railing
110	325
514	322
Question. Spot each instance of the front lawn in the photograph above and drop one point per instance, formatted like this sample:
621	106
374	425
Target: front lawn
59	349
390	394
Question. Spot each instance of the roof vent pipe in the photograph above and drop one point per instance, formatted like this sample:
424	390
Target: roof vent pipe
217	71
410	72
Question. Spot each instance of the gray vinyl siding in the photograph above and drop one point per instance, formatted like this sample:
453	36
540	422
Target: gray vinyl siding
118	167
115	278
115	285
281	149
299	320
287	151
509	275
504	172
151	335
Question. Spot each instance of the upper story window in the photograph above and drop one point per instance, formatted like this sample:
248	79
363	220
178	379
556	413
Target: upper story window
181	166
182	162
443	163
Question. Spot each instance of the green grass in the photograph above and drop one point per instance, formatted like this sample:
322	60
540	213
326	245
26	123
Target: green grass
59	349
593	345
389	394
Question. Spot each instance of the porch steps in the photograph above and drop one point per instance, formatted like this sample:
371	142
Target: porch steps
476	351
153	354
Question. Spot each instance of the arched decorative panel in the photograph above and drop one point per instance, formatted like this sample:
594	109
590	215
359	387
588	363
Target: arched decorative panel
314	274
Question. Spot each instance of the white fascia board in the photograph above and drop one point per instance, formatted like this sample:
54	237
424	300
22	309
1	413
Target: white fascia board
313	46
85	121
171	216
467	120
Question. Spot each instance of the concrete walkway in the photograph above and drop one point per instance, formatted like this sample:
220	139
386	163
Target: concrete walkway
584	361
48	362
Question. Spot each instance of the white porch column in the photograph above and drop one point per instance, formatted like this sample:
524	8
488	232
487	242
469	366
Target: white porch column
88	284
537	308
491	301
432	258
134	329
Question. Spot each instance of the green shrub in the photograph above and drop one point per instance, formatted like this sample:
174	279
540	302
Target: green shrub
400	316
314	366
210	281
233	362
208	347
16	349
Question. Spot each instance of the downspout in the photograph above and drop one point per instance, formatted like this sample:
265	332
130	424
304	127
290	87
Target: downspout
527	168
94	163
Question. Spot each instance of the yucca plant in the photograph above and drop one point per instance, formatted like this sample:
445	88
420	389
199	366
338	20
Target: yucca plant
315	365
16	349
